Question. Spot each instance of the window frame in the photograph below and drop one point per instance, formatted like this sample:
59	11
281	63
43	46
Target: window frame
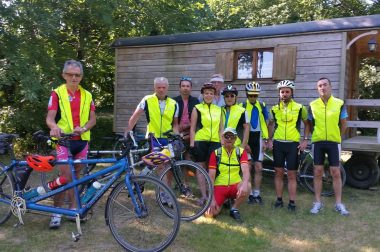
254	62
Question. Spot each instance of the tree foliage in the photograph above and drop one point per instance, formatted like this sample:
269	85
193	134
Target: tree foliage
37	36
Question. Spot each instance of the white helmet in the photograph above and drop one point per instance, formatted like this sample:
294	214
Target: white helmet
252	88
286	83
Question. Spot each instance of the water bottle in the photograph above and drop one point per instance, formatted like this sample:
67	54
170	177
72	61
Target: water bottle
146	171
34	192
90	192
60	181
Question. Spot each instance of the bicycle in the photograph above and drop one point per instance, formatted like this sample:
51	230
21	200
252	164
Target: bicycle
187	174
134	210
305	173
46	145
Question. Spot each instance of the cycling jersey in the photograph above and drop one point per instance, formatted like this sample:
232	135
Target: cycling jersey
234	118
208	122
288	121
158	122
228	170
66	119
326	118
262	116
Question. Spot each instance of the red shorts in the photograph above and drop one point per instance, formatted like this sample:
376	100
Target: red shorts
221	193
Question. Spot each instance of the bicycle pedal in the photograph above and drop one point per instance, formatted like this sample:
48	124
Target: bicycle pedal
75	237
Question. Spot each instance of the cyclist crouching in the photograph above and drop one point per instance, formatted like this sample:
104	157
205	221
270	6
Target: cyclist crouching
225	167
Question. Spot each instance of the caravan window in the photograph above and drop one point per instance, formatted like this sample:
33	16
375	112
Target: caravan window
254	64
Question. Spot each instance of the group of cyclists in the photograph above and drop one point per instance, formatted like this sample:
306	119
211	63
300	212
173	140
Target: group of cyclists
224	137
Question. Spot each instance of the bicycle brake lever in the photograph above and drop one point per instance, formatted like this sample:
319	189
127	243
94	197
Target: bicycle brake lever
133	139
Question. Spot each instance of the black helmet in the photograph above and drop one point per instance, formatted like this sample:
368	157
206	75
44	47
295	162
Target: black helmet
230	89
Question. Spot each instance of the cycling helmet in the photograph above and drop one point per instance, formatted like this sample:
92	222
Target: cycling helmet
286	83
156	157
208	85
41	163
252	88
230	89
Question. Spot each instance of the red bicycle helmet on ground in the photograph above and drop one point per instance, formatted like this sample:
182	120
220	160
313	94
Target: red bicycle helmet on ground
41	163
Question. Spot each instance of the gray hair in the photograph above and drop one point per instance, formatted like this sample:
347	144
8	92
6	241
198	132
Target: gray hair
160	80
73	63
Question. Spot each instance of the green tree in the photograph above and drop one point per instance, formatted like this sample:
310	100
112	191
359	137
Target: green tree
37	36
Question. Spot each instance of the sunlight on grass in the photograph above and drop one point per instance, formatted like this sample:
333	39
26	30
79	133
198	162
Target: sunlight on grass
367	249
297	244
240	228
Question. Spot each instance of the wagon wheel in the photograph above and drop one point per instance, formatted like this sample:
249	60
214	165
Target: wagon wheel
362	171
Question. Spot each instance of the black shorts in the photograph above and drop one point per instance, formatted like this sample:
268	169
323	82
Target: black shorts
285	151
204	150
254	143
323	148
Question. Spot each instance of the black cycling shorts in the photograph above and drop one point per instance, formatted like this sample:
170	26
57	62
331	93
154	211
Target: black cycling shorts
204	150
254	143
286	151
323	148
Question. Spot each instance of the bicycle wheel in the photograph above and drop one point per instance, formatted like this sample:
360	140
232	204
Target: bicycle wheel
152	229
184	178
6	194
119	146
307	178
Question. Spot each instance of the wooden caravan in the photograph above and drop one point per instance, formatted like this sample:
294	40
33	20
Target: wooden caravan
303	52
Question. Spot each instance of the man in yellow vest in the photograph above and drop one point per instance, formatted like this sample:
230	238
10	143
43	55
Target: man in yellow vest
70	110
160	110
161	114
226	165
285	120
258	136
328	116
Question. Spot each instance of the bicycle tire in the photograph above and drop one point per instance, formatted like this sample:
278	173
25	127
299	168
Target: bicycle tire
6	193
190	197
119	146
153	231
307	178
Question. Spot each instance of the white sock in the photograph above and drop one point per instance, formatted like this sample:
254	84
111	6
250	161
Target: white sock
256	193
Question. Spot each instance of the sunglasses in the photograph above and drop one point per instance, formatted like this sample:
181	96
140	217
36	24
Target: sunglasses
71	75
185	78
229	96
253	96
229	136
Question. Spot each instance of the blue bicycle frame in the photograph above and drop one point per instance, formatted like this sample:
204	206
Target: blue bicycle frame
118	168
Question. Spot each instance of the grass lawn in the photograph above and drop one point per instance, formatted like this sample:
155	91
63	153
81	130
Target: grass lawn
264	229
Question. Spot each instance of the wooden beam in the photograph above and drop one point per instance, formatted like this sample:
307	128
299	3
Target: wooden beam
363	102
364	124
